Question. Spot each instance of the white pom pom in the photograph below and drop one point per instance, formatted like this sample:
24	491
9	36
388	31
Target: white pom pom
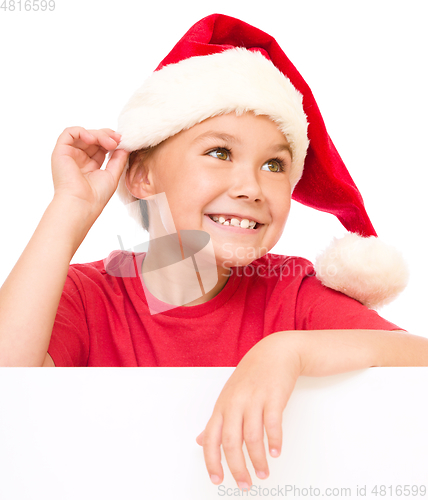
366	269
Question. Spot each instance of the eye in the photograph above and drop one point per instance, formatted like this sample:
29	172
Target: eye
220	153
276	164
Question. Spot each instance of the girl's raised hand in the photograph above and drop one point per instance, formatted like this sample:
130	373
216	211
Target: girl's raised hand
76	165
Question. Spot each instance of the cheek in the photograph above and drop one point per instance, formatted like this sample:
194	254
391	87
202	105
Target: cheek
280	202
285	214
188	175
196	189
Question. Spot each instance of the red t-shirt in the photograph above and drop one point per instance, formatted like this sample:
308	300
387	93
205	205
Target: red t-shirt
103	318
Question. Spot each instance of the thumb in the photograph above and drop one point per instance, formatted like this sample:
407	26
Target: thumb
200	439
117	163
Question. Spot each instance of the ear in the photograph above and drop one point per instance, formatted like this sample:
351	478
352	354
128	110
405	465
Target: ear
136	178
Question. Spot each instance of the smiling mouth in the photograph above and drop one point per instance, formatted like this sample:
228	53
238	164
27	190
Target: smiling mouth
227	223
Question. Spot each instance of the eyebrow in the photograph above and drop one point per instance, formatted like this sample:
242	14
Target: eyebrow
214	135
211	134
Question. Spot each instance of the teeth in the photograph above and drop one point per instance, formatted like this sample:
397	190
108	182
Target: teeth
245	223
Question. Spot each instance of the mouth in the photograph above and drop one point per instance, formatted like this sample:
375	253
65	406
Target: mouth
234	229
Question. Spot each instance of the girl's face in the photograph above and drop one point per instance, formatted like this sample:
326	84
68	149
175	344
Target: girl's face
228	164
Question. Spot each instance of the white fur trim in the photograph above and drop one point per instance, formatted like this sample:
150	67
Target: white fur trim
181	95
366	269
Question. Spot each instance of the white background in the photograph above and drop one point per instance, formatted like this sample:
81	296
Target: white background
364	61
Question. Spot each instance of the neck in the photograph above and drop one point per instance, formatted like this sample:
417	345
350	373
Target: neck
181	283
177	272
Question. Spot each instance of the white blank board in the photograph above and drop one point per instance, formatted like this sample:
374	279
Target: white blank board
129	433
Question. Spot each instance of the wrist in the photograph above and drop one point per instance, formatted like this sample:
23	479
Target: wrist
286	346
72	219
75	208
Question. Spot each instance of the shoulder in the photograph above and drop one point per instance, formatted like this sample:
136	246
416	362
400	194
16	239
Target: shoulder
104	276
119	264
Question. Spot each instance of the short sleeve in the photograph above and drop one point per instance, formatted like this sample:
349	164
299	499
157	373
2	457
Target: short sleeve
69	344
321	308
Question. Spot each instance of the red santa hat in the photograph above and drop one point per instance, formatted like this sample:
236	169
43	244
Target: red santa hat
222	65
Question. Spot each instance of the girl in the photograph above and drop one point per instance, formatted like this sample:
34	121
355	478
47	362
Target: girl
225	131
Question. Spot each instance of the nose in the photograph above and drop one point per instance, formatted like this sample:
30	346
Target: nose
245	182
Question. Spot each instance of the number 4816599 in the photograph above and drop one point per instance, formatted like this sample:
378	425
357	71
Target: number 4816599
28	5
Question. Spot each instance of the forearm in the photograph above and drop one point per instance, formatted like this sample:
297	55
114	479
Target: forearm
30	295
329	352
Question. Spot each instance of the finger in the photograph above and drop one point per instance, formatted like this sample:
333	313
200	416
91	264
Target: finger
115	135
72	135
97	152
200	439
232	445
212	451
78	143
253	436
105	139
87	160
272	419
109	133
99	156
87	140
117	163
